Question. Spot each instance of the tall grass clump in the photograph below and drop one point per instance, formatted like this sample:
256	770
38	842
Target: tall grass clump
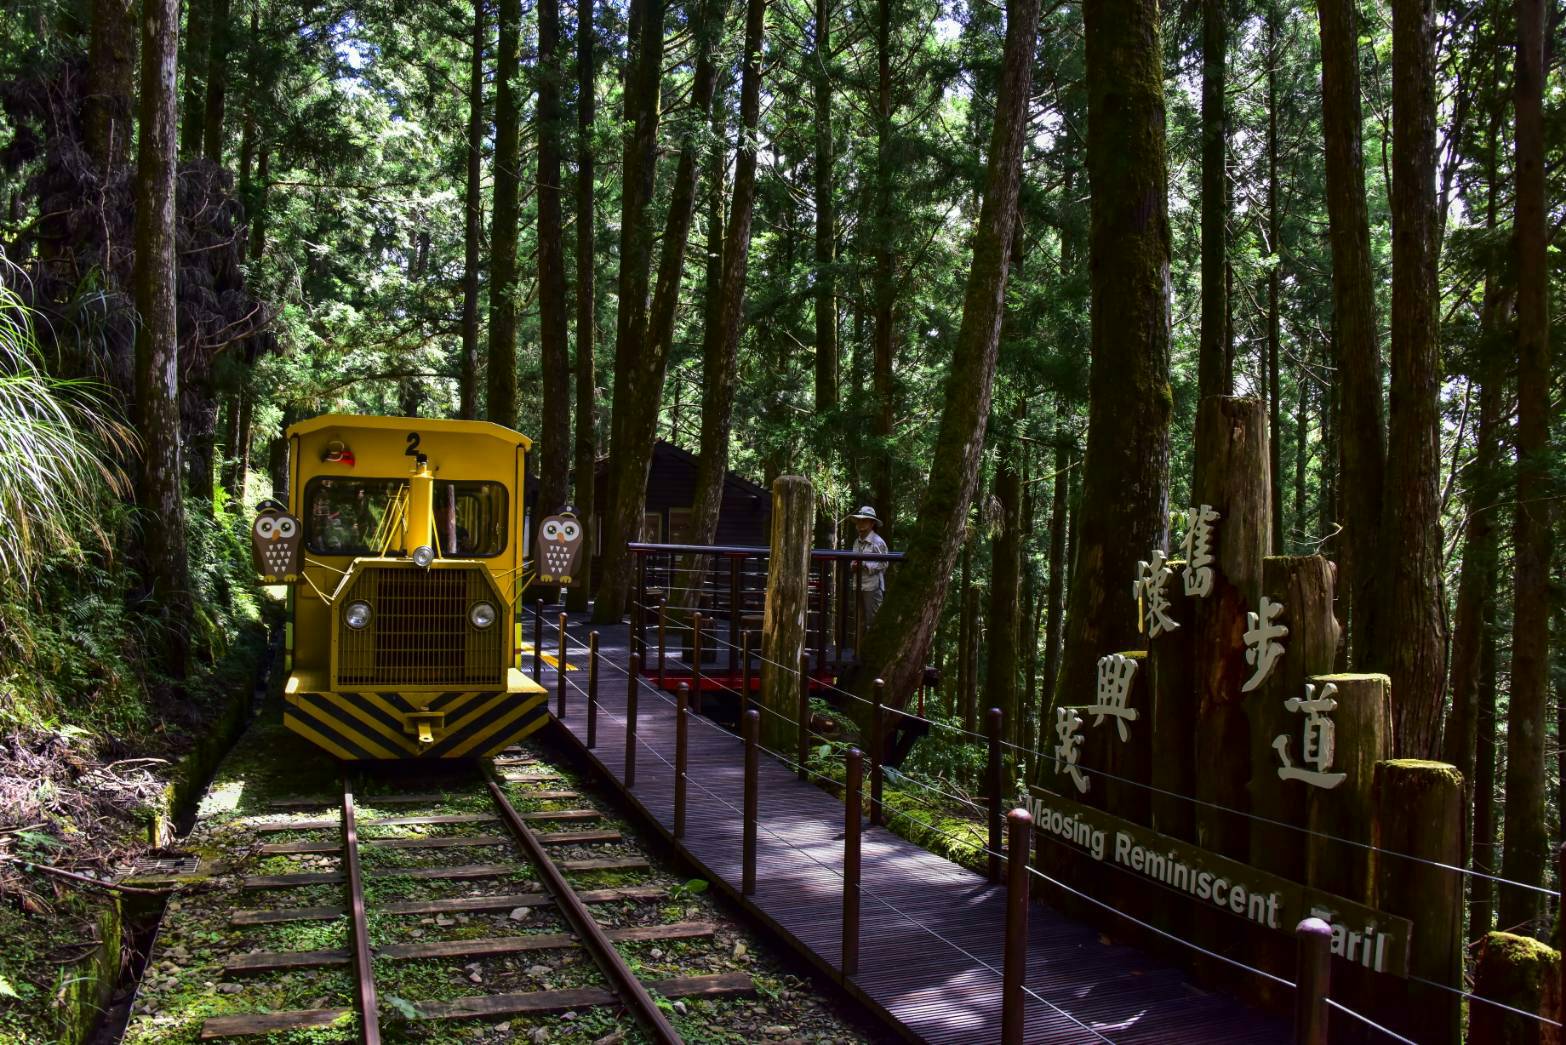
59	447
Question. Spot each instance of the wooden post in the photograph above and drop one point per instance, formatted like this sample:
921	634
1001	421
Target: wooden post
853	781
877	814
734	611
783	621
1363	729
1522	973
696	628
752	766
538	639
1419	812
560	671
632	684
1232	478
1171	684
1303	585
992	778
592	690
1313	942
803	717
663	640
681	753
1019	825
1125	763
841	569
822	606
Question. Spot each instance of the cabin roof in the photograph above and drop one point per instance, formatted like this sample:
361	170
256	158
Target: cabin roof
428	424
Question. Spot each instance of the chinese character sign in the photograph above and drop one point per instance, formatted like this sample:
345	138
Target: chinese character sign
1115	673
1319	743
1067	725
1149	590
1198	547
1262	648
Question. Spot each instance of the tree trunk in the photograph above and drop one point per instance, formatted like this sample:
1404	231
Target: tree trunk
554	469
898	640
1274	281
719	366
1411	640
586	380
193	105
1527	845
473	222
1000	685
1481	891
157	336
1213	373
217	83
256	242
883	290
501	405
111	76
1125	491
1055	594
1358	351
826	219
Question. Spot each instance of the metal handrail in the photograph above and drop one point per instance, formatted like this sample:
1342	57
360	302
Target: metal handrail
742	551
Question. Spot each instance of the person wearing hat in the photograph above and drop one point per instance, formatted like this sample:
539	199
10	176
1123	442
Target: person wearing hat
871	575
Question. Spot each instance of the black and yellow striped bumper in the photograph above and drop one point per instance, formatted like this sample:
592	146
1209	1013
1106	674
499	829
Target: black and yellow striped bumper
388	725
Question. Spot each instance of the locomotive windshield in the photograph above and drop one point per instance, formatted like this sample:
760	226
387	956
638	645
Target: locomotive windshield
347	516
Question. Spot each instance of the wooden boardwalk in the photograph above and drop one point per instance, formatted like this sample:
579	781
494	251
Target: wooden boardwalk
932	931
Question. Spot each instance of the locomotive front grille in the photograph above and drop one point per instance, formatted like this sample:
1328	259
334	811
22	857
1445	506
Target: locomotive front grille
419	633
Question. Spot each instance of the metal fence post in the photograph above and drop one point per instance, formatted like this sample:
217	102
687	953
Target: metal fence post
663	640
1014	973
992	778
696	624
876	739
631	686
538	638
1312	980
682	708
592	690
744	673
752	765
560	672
639	614
734	610
853	781
804	716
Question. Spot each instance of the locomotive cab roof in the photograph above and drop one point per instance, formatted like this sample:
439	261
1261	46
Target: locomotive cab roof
363	422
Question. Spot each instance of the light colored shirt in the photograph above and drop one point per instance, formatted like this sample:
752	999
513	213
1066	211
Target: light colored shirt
871	574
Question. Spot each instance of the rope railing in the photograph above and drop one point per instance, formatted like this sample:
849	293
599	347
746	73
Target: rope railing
982	848
1052	759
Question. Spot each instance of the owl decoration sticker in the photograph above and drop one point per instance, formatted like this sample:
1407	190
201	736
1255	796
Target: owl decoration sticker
559	548
275	539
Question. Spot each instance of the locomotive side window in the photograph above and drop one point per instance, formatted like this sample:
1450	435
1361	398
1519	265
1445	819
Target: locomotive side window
347	516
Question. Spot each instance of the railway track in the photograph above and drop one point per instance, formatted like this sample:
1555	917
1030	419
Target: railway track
524	886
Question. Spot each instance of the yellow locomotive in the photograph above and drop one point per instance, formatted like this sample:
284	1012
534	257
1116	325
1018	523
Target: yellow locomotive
403	548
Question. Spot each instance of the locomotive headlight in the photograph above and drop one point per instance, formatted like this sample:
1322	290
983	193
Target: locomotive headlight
482	615
423	555
357	616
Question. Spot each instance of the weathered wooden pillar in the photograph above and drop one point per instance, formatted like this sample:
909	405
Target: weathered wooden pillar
1363	729
788	600
1419	813
1171	689
1121	750
1524	974
1302	585
1231	479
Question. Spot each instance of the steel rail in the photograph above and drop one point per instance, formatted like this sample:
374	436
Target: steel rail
621	979
364	970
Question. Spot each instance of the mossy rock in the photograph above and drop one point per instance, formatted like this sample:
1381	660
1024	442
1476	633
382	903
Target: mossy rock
1523	973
